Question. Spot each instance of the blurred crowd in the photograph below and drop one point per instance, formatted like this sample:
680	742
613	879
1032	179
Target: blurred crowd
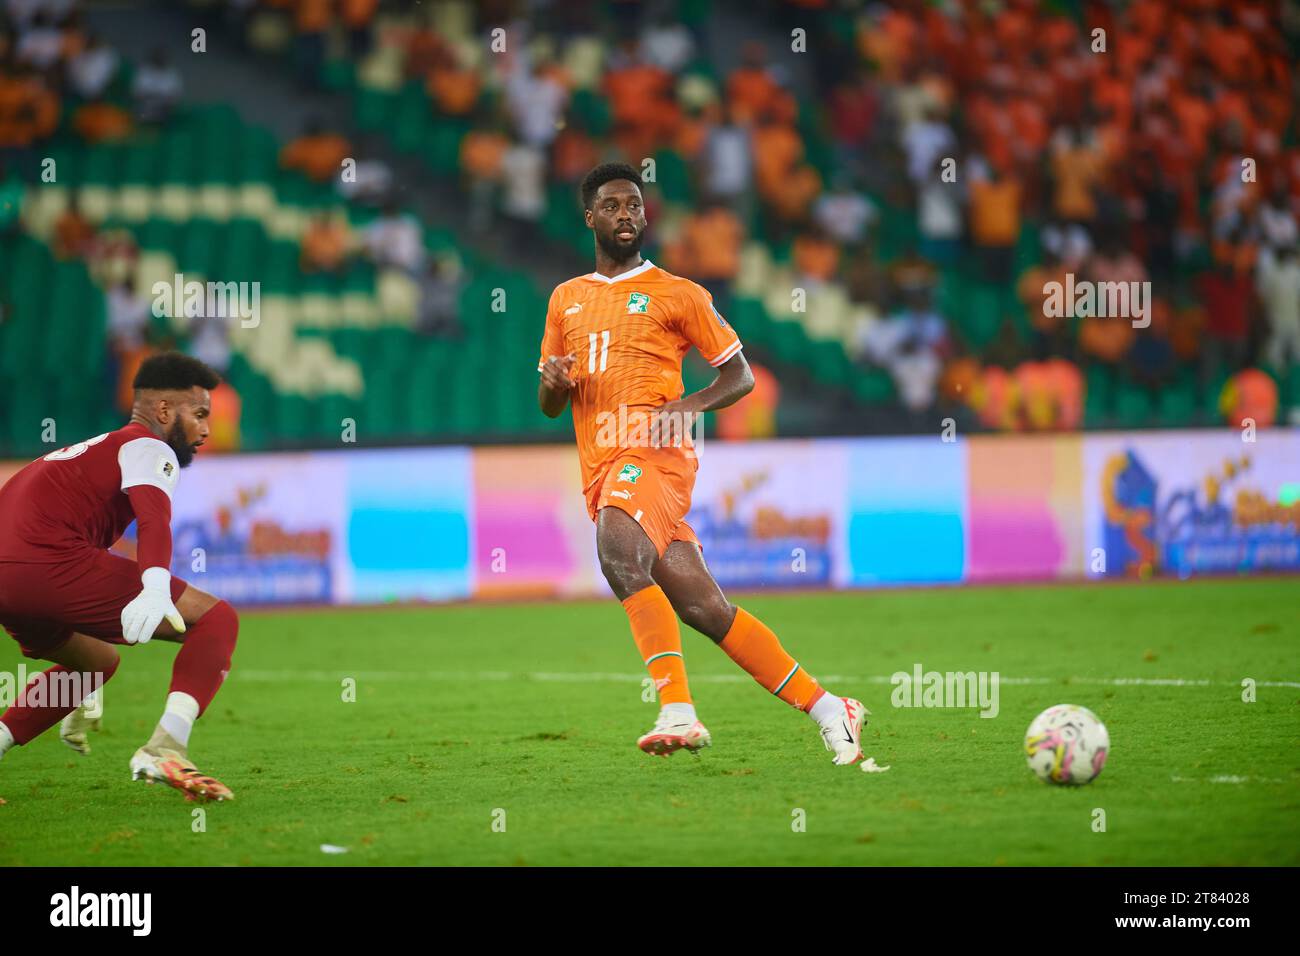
1024	141
51	62
913	149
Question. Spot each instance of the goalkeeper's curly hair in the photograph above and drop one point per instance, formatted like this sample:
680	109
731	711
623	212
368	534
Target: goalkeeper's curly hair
605	173
177	371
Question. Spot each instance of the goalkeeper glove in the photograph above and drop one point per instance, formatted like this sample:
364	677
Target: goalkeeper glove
142	616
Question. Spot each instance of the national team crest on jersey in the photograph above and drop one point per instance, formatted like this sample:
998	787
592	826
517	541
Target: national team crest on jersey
630	474
637	302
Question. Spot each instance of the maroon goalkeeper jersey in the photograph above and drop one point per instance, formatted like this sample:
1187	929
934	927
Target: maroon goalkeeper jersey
75	498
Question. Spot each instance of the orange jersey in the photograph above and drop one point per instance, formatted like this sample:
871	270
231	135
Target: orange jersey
629	334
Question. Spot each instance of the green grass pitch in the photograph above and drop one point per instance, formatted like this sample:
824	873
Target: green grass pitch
534	709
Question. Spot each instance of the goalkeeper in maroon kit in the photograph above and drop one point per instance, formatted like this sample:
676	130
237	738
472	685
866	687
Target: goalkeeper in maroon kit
66	599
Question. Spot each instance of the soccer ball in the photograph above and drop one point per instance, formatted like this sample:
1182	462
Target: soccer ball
1067	745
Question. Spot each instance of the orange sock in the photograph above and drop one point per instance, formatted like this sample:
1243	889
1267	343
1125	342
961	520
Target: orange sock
752	645
654	628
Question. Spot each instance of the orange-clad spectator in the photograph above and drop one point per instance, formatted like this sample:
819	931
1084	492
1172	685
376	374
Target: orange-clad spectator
960	380
1195	120
29	110
754	416
1033	290
642	105
312	16
891	43
128	366
1229	49
1036	387
709	246
482	157
1186	329
995	222
318	154
636	88
816	257
996	399
1077	167
1235	252
1113	96
1069	387
357	13
73	233
455	90
1249	394
693	132
783	181
572	154
425	50
481	152
1107	340
223	420
1132	53
793	203
1014	29
751	89
102	122
325	243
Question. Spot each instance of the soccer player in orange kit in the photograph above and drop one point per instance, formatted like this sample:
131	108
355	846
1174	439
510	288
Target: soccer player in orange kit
613	347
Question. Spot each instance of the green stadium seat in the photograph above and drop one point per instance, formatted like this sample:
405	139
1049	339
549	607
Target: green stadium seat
1133	407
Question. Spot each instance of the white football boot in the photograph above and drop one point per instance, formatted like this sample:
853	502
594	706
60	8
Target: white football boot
842	734
170	765
673	732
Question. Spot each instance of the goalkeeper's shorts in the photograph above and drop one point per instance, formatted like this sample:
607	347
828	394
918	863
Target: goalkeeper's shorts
43	605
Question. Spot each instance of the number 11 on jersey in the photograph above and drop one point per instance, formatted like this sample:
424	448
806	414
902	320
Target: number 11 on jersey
591	350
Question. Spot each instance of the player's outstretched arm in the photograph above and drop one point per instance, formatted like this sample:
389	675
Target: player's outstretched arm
556	384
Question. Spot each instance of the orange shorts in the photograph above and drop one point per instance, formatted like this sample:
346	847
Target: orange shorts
655	490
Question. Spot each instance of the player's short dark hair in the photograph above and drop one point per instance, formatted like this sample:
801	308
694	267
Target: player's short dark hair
174	371
605	173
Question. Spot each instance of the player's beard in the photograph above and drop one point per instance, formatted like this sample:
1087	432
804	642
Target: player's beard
617	251
176	438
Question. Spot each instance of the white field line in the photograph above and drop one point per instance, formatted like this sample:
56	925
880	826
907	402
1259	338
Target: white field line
596	677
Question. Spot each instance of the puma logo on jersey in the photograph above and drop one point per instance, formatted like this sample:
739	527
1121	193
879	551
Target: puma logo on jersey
573	309
621	494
